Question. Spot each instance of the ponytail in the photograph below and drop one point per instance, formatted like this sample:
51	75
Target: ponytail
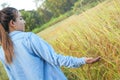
6	44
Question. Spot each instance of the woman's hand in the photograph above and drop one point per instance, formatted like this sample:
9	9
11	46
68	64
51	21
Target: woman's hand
92	60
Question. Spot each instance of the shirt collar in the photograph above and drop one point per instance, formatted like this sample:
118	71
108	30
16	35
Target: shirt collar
13	33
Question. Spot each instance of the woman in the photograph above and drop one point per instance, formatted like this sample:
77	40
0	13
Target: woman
26	56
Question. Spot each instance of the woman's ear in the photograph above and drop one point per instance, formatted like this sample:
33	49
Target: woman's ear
12	25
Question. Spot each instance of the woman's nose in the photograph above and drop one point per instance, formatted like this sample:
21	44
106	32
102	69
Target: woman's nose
24	22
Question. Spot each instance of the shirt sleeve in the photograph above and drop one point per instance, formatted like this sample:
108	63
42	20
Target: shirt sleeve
42	49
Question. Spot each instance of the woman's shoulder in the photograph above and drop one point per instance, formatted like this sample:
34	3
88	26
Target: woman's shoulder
29	34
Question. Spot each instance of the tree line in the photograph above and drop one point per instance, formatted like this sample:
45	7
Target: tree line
50	9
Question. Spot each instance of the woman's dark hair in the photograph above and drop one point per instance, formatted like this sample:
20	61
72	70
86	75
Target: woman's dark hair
6	15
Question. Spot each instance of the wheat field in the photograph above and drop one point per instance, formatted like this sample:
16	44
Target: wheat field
95	32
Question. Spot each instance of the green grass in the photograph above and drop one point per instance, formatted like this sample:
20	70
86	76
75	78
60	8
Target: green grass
52	21
3	75
79	10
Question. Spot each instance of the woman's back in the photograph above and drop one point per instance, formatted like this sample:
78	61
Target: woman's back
26	64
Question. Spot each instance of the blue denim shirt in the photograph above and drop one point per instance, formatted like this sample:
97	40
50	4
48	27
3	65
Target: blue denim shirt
35	59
